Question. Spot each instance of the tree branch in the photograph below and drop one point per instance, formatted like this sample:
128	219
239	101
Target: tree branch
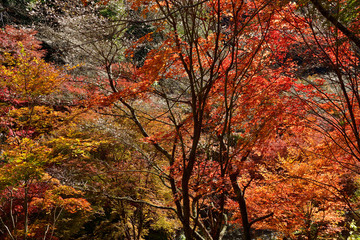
140	201
336	23
261	218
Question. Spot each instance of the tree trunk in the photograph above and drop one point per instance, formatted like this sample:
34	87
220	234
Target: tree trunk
242	204
26	224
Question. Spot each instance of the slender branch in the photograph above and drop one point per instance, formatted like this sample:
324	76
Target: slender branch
261	218
143	131
140	201
7	229
46	231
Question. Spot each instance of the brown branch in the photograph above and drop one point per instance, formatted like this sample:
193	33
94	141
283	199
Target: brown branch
336	23
143	131
261	218
140	201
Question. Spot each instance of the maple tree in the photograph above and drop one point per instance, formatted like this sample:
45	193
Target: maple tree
31	200
216	110
327	33
218	103
26	82
337	92
27	191
306	192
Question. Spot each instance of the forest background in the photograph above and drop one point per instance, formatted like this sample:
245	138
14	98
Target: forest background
179	119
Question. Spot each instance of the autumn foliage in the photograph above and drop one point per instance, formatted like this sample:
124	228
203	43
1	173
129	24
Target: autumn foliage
31	200
200	118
